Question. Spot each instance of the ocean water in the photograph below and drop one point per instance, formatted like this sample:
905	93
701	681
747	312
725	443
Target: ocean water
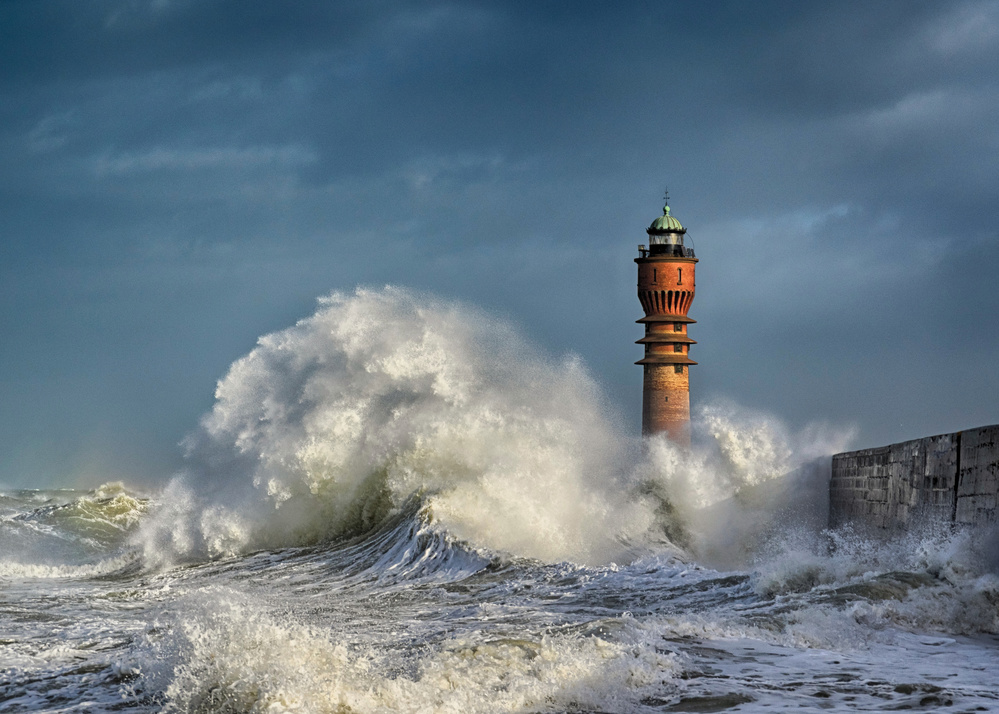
399	505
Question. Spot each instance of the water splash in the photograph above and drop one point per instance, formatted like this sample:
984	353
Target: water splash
230	655
326	427
746	475
49	533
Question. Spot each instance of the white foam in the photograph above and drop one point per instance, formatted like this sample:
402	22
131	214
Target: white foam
384	394
746	474
61	534
226	654
19	570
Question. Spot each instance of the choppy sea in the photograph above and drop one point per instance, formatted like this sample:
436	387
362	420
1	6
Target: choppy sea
399	505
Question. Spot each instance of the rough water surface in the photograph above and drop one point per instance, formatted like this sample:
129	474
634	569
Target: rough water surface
398	505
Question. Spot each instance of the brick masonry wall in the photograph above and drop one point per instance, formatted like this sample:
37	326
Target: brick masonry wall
945	478
666	401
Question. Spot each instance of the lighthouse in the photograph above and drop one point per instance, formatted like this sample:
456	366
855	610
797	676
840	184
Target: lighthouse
666	289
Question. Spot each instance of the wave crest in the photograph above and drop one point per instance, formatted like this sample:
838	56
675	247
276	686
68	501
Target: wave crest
326	427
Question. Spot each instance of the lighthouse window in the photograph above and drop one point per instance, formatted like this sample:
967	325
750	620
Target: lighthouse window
678	368
679	276
678	347
677	327
653	275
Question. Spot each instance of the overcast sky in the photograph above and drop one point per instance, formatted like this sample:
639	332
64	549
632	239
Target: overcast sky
178	177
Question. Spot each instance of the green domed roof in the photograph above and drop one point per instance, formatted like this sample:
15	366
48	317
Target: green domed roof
666	224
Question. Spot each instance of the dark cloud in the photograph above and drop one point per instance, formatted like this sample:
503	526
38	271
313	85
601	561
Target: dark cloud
178	177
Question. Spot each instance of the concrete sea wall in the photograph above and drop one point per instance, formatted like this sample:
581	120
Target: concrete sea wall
946	478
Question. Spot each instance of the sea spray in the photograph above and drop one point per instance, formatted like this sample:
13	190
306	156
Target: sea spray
229	653
326	427
43	531
746	476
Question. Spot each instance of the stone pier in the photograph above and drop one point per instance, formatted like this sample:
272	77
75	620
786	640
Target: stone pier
947	478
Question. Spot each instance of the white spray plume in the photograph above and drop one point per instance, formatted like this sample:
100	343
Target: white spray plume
746	475
385	395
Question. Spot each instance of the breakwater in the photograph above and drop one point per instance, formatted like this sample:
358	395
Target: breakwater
946	478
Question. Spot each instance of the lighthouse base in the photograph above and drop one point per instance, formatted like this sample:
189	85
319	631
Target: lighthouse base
666	402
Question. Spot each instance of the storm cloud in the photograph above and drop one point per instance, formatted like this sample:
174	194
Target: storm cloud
179	177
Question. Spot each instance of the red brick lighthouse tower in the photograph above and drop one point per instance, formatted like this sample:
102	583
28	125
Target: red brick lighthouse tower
666	289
